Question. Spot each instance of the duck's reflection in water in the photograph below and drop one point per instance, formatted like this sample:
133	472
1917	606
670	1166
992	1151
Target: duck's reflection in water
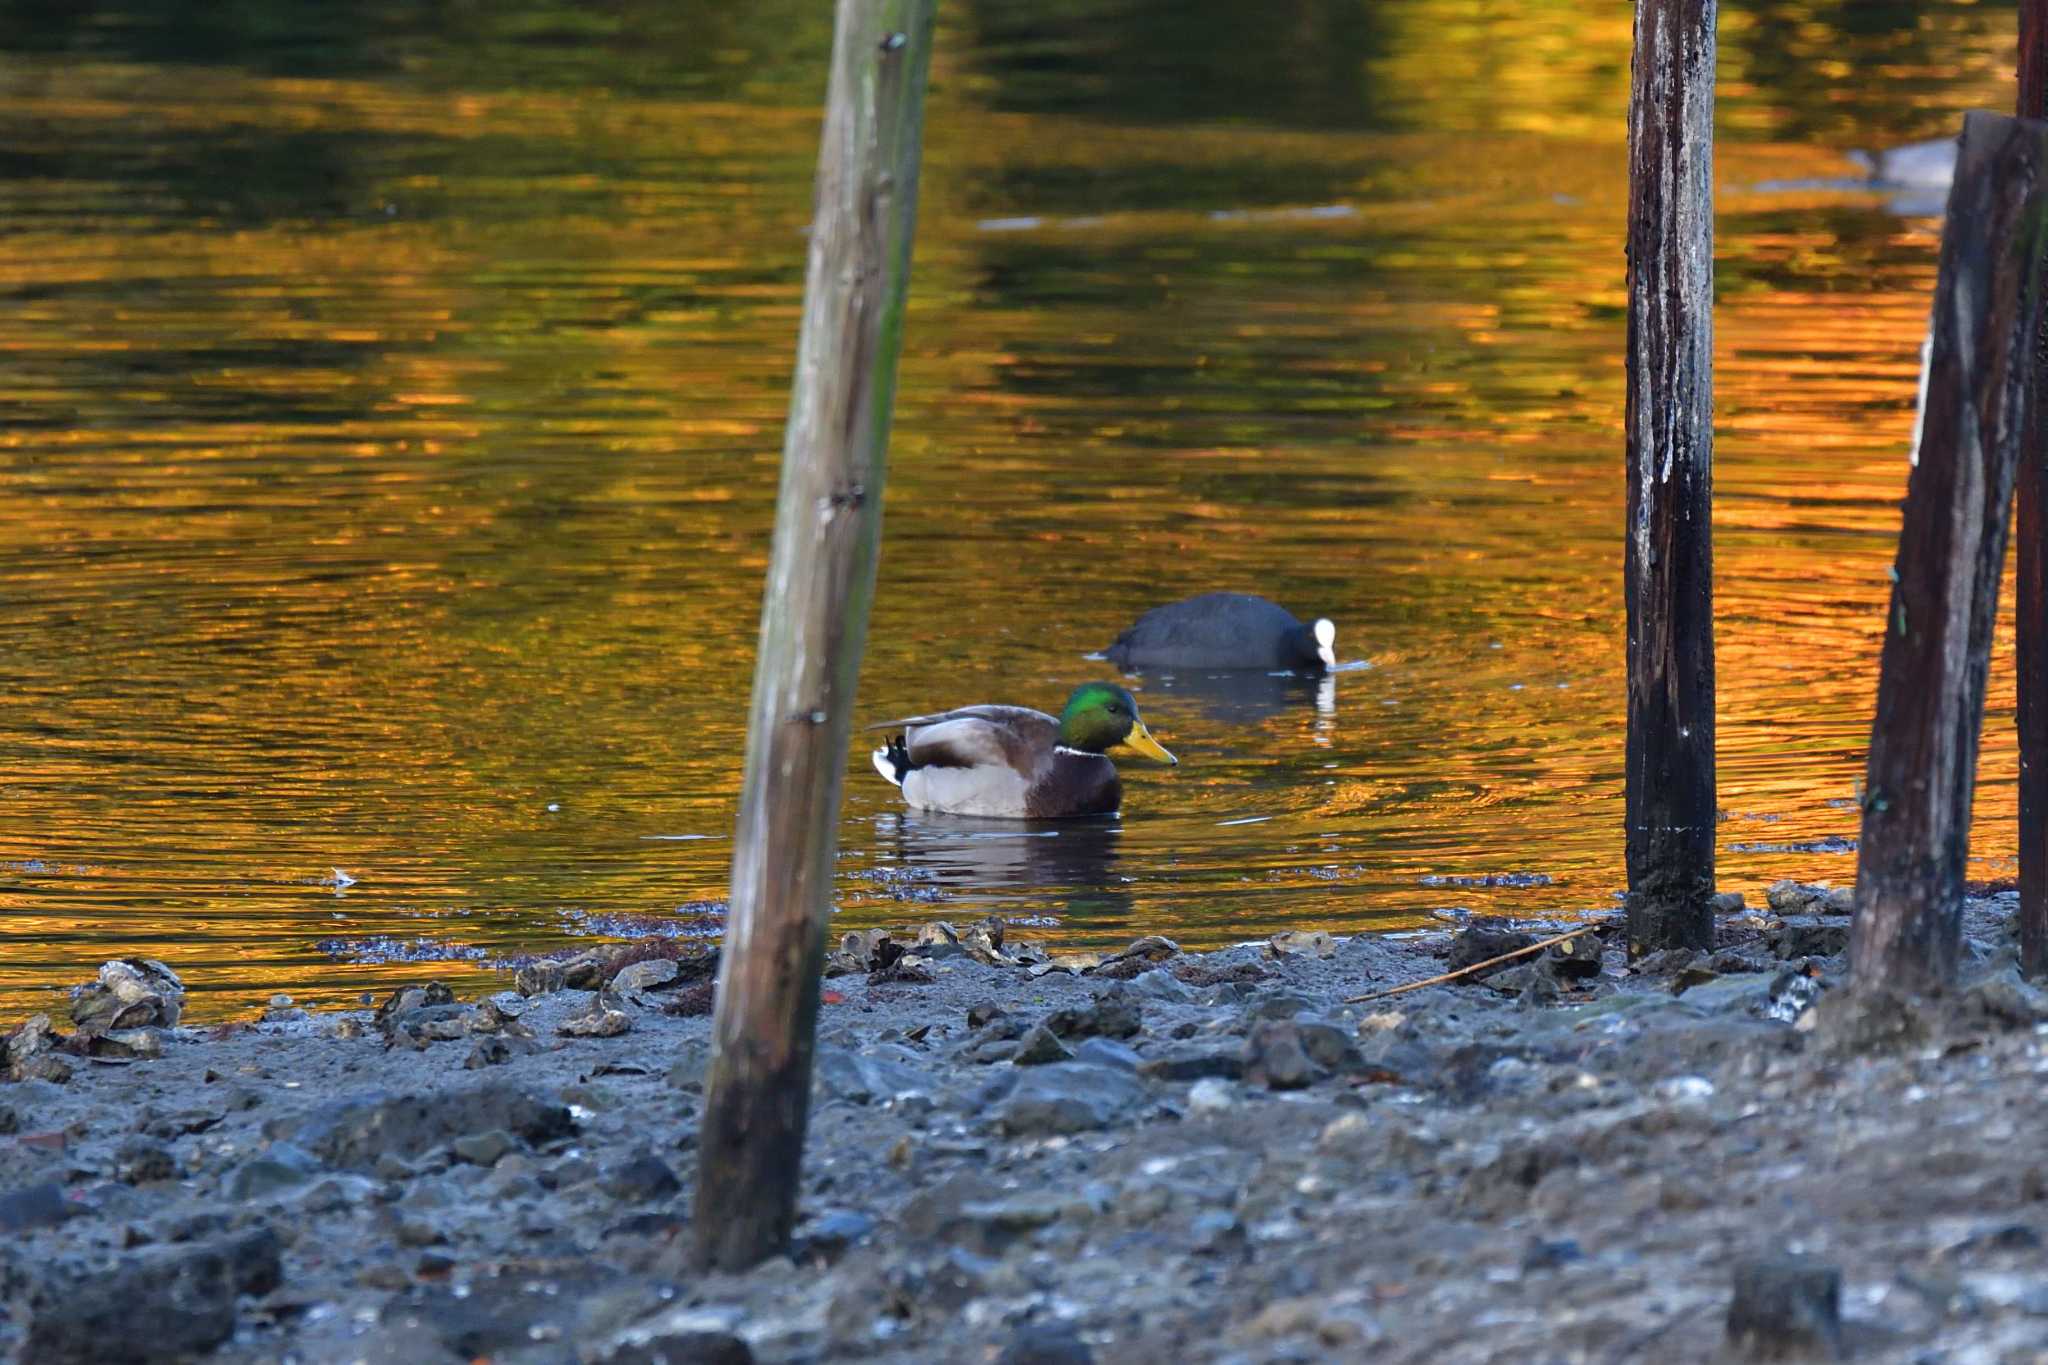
1065	869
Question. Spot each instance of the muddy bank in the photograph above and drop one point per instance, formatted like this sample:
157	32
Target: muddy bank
1168	1157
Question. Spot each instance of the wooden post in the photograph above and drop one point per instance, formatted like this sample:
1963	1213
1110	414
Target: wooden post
1937	642
2031	609
814	618
1669	562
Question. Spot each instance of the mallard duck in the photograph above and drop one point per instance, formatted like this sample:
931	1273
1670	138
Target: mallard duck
1225	630
1016	763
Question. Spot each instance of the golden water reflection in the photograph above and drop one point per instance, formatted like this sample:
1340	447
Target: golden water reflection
390	445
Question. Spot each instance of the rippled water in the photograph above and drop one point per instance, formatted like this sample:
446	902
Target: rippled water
392	405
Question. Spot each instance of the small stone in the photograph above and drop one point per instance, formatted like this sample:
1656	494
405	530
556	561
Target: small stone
411	1232
408	998
1789	897
280	1166
140	1161
2008	1290
497	1049
641	1179
1067	1097
2000	1237
484	1149
1163	986
1211	1096
1151	949
1327	1046
1301	943
129	993
1106	1052
128	1044
1549	1255
1786	1307
686	1072
159	1305
601	1018
1274	1057
1046	1343
1727	903
1193	1066
1684	1089
1481	943
1115	1014
1040	1046
983	941
988	1226
30	1053
2006	998
36	1206
540	978
832	1233
1218	1232
1331	1323
337	1193
650	975
1574	960
1798	936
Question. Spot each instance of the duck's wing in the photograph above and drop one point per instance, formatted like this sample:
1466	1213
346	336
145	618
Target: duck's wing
978	736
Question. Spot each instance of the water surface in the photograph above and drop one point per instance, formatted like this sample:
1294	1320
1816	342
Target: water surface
393	403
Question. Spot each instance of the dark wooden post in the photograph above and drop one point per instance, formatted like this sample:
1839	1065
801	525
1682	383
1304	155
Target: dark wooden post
1937	641
1669	562
814	616
2032	607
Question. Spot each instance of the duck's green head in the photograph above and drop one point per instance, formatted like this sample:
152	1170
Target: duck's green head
1102	718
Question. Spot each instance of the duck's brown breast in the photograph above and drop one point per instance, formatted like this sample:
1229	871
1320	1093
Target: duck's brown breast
1074	784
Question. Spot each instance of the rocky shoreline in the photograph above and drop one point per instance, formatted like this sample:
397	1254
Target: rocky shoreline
1148	1156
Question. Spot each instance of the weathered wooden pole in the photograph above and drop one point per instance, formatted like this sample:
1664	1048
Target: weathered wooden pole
814	616
1937	641
1669	562
2031	609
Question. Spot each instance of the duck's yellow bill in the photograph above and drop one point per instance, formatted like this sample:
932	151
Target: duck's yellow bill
1140	744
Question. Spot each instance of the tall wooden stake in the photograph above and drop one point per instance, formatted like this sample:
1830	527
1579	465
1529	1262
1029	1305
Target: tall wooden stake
2032	607
814	617
1670	557
1937	641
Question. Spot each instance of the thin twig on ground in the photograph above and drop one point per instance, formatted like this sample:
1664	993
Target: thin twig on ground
1475	967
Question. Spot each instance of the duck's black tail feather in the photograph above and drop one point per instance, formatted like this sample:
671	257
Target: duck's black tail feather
892	760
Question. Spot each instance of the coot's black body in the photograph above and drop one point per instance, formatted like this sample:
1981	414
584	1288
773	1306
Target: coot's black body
1225	630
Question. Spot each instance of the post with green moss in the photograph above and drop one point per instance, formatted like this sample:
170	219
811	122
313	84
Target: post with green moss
1907	933
814	616
2031	608
1668	565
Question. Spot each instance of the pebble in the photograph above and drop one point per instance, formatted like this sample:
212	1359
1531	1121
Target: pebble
1785	1306
650	975
1039	1046
1067	1097
641	1178
1053	1343
149	1307
1275	1058
484	1149
602	1018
